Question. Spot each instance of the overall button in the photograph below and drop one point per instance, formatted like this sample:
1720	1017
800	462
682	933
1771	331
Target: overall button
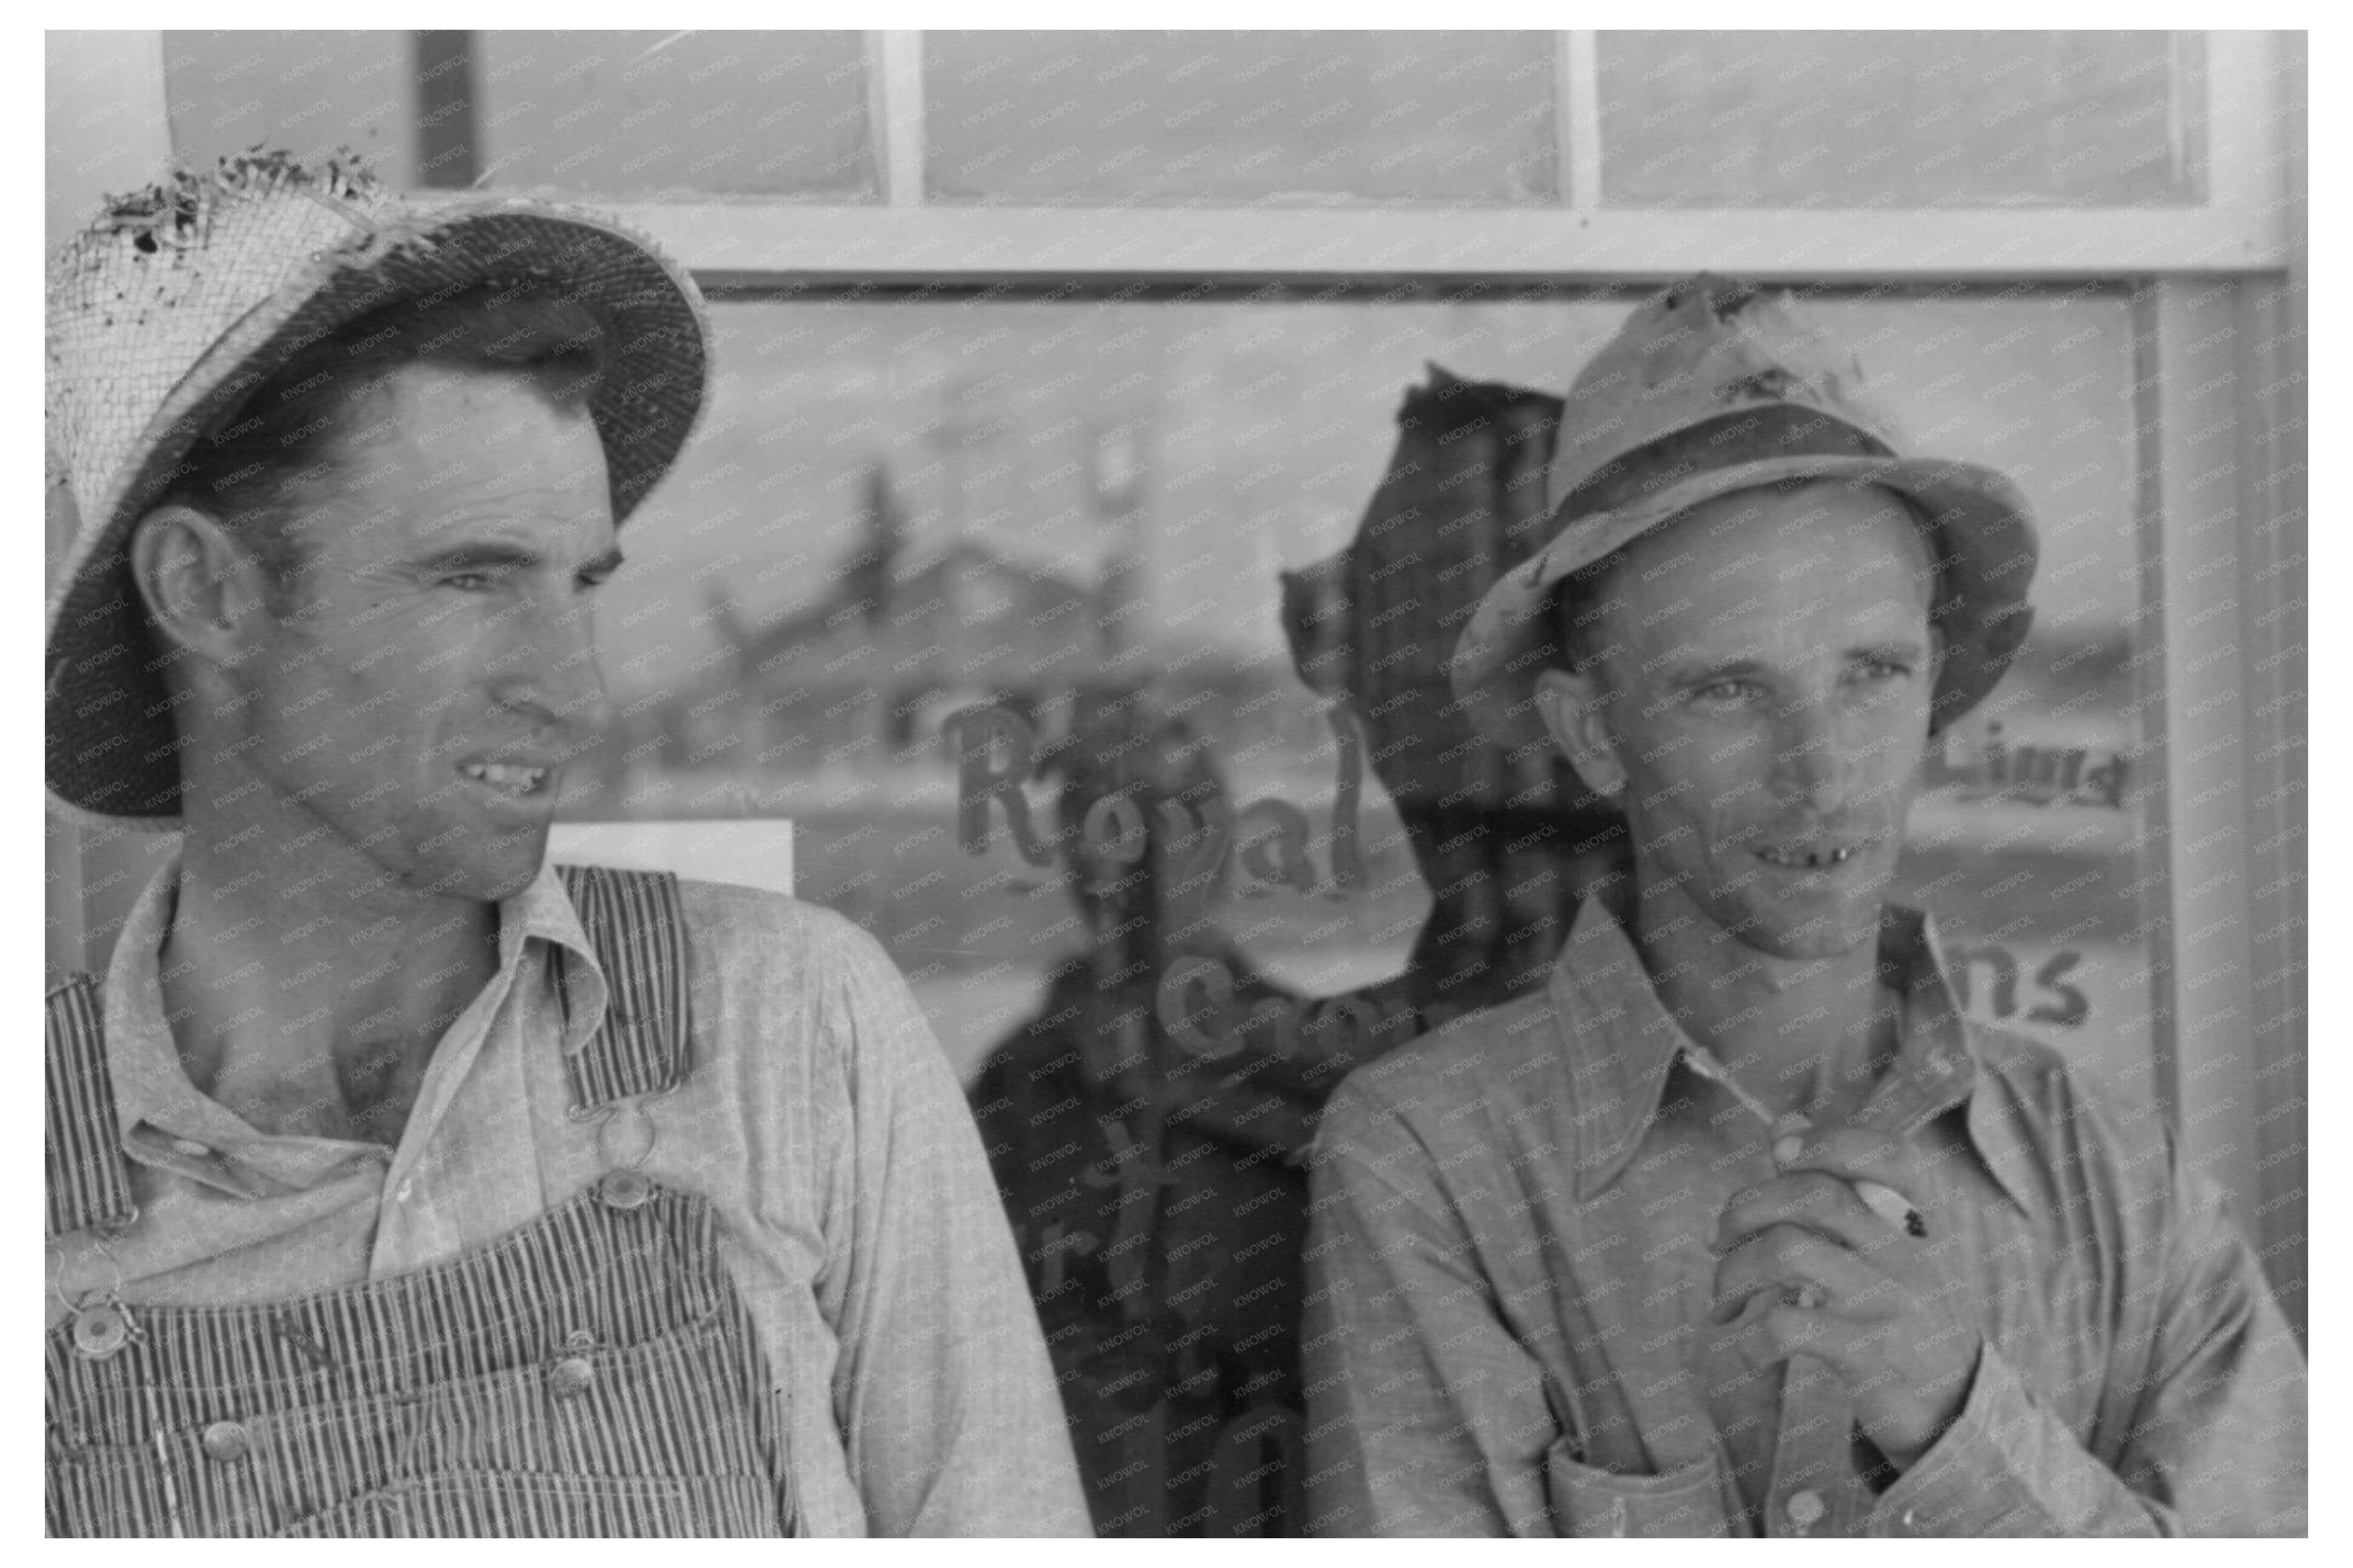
100	1332
625	1190
570	1376
226	1442
1806	1509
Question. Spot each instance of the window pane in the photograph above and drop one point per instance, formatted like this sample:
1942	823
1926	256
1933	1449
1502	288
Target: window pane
758	678
308	92
1170	119
1925	119
648	113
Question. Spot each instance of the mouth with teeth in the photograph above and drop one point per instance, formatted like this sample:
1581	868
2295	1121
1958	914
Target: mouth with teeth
507	777
1799	858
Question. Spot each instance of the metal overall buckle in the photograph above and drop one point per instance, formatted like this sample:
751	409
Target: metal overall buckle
102	1324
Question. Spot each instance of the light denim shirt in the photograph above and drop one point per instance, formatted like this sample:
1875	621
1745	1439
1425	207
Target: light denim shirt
1509	1241
856	1213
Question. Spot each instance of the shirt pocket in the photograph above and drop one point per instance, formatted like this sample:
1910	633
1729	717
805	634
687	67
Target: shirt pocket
1586	1500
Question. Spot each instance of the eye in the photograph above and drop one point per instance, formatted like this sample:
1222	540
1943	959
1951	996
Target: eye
468	582
1726	691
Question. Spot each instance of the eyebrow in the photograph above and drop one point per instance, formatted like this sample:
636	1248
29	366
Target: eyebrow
1728	669
510	558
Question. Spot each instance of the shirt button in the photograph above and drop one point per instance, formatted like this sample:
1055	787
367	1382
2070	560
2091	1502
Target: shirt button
1806	1509
226	1442
1911	1519
580	1341
190	1149
570	1376
406	1190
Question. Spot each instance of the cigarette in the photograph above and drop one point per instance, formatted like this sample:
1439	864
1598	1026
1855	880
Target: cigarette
1882	1199
1892	1206
1877	1196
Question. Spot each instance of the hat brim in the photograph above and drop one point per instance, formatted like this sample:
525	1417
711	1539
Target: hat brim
113	753
1982	536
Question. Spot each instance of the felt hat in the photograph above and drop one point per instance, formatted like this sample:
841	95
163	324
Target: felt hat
1714	387
183	299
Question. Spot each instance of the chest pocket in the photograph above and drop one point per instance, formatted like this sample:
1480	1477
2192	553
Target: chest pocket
592	1373
1584	1500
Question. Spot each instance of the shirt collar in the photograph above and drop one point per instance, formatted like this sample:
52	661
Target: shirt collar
164	1121
1620	1043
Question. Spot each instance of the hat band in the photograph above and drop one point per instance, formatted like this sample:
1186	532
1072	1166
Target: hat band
1741	436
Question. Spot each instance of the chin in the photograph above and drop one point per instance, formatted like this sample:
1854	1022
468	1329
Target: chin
482	873
1783	932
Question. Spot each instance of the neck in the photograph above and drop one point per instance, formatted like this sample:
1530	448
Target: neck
1808	1035
308	986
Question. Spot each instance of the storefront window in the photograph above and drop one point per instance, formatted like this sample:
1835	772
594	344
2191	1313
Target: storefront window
308	92
1930	120
900	510
618	114
646	113
1233	119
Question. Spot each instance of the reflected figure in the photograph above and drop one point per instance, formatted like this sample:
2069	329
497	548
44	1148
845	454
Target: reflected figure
1155	1191
1507	840
1158	1217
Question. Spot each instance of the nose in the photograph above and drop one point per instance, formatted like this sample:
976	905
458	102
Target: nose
551	669
1813	765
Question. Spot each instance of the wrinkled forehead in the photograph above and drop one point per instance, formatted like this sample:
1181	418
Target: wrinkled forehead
1825	554
440	445
1825	531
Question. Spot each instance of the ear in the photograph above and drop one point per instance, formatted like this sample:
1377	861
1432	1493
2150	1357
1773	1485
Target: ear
205	590
1571	707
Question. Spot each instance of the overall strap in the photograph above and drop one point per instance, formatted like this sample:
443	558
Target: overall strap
636	927
635	924
88	1180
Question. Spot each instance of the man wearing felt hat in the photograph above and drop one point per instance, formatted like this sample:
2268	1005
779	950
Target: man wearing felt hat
399	1184
1739	1226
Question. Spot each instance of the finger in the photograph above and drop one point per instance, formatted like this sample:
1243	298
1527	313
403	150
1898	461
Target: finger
1891	1175
1783	1330
1861	1154
1815	1199
1788	1260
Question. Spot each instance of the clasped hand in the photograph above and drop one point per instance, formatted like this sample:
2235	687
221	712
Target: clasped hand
1827	1276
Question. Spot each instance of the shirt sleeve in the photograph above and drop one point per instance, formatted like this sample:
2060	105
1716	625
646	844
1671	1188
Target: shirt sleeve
2212	1438
1426	1416
944	1395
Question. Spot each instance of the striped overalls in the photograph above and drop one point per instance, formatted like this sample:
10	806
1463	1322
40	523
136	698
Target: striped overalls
593	1373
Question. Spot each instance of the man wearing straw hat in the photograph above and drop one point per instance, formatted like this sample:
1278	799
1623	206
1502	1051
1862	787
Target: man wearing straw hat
397	1183
1739	1226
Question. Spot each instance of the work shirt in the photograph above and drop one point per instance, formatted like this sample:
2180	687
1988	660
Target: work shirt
856	1215
1510	1282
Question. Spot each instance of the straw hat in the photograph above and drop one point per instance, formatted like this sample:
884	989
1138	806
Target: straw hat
181	299
1712	388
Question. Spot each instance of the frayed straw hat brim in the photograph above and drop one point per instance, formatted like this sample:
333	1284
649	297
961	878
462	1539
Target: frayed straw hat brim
1983	539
